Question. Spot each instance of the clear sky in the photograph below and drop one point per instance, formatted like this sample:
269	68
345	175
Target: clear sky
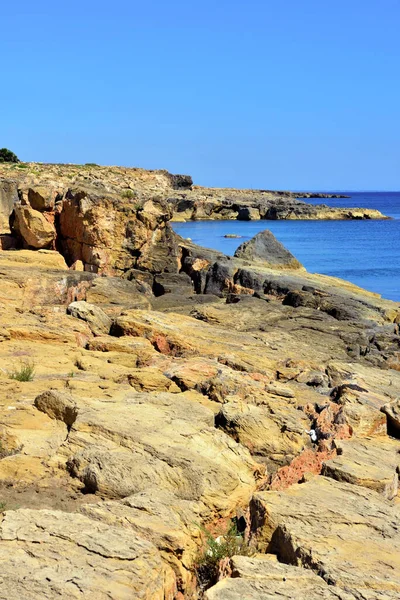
288	94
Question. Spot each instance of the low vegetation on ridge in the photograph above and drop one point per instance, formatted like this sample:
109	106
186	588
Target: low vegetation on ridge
7	156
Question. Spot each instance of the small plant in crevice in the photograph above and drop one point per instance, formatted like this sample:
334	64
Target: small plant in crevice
216	549
26	372
129	194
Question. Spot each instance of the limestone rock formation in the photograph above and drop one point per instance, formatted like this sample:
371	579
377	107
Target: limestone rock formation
199	203
371	463
112	236
33	227
261	578
343	531
97	320
45	187
175	392
266	249
60	555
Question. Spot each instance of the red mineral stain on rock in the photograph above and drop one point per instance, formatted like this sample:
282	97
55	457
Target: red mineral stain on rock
161	344
308	461
259	377
330	422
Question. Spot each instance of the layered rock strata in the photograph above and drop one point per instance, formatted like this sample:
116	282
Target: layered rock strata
172	388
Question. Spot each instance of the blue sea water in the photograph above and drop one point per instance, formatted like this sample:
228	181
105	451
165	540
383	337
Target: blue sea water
366	253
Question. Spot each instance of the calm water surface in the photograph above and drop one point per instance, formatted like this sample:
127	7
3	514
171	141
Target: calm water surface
366	253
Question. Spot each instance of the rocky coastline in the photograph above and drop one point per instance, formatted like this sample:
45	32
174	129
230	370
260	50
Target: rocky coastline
157	395
186	200
199	203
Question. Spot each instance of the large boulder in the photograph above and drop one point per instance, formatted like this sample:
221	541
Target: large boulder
392	412
57	405
96	318
273	430
264	248
42	198
179	182
111	234
34	229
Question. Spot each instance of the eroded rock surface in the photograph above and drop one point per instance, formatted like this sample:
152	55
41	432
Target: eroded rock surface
170	388
261	578
344	532
49	554
264	248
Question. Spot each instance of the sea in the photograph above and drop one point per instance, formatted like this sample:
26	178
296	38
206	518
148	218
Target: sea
366	253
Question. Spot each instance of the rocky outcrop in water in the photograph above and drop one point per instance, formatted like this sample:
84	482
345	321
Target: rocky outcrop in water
265	249
168	390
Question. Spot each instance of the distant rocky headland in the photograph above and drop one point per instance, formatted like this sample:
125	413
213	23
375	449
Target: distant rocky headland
187	201
178	424
199	203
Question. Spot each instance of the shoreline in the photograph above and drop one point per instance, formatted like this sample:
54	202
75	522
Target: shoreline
314	244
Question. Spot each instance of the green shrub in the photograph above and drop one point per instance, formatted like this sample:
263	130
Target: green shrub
26	372
7	156
129	194
228	544
91	165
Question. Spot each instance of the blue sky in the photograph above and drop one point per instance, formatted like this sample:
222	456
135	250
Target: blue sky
288	94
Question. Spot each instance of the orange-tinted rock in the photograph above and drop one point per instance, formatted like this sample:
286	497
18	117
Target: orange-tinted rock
309	461
109	235
33	228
